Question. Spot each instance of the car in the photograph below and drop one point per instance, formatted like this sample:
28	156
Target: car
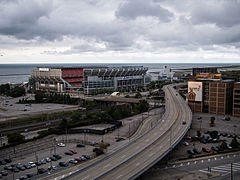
206	150
86	156
23	177
21	168
4	173
93	143
203	141
48	159
229	147
38	163
206	132
190	152
196	151
68	153
2	162
1	175
57	156
73	161
8	167
32	164
80	145
63	164
83	158
215	148
8	160
27	166
43	161
185	143
52	168
214	140
224	134
78	159
42	171
61	145
16	170
53	159
72	151
29	175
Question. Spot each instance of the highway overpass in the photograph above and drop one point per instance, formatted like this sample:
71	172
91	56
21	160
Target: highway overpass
141	153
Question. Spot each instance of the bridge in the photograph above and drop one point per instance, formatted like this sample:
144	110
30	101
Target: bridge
133	159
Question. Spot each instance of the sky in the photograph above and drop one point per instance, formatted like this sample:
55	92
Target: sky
119	31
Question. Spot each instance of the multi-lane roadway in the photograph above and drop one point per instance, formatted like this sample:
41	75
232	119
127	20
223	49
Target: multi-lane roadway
141	153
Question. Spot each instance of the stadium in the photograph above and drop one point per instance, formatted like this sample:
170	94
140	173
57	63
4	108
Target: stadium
87	79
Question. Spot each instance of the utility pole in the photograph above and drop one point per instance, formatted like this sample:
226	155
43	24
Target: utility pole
231	171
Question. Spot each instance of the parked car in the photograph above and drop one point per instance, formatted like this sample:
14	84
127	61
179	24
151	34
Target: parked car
57	156
185	143
73	161
53	158
8	160
68	153
48	159
61	145
86	156
190	152
63	164
72	151
4	173
80	145
32	164
78	159
8	167
215	148
23	178
29	175
2	162
27	166
229	147
196	151
42	171
206	150
52	168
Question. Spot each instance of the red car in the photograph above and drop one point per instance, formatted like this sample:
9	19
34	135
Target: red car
206	150
72	151
78	159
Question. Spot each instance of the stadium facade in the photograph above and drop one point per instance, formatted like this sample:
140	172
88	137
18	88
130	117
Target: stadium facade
87	79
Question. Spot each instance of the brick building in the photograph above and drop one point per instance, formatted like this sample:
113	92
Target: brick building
236	100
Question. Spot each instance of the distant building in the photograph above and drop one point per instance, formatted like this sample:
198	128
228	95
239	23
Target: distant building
210	70
166	74
236	99
87	79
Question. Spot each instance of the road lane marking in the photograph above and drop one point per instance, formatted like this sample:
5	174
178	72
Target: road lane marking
181	164
195	162
228	156
201	161
215	158
221	157
150	154
85	177
123	156
174	166
119	176
209	160
106	166
137	163
234	155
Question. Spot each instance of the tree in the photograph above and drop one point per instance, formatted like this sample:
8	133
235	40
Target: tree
223	145
64	124
235	143
212	121
214	134
138	95
15	138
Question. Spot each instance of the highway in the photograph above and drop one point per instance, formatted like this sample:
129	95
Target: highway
141	153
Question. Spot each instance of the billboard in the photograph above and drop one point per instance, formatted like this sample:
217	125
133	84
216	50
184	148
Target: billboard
194	91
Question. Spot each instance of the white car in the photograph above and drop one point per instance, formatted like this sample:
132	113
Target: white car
185	143
61	145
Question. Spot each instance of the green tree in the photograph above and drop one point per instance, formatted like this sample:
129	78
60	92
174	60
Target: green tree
64	124
214	134
15	138
234	143
138	95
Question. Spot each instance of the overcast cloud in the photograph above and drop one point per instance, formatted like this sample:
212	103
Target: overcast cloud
36	31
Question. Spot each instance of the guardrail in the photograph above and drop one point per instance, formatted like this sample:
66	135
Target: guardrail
107	157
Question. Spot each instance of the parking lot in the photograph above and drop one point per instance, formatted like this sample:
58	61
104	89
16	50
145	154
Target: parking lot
205	144
47	147
9	107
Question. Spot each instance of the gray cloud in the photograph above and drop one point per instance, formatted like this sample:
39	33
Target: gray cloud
135	8
128	26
